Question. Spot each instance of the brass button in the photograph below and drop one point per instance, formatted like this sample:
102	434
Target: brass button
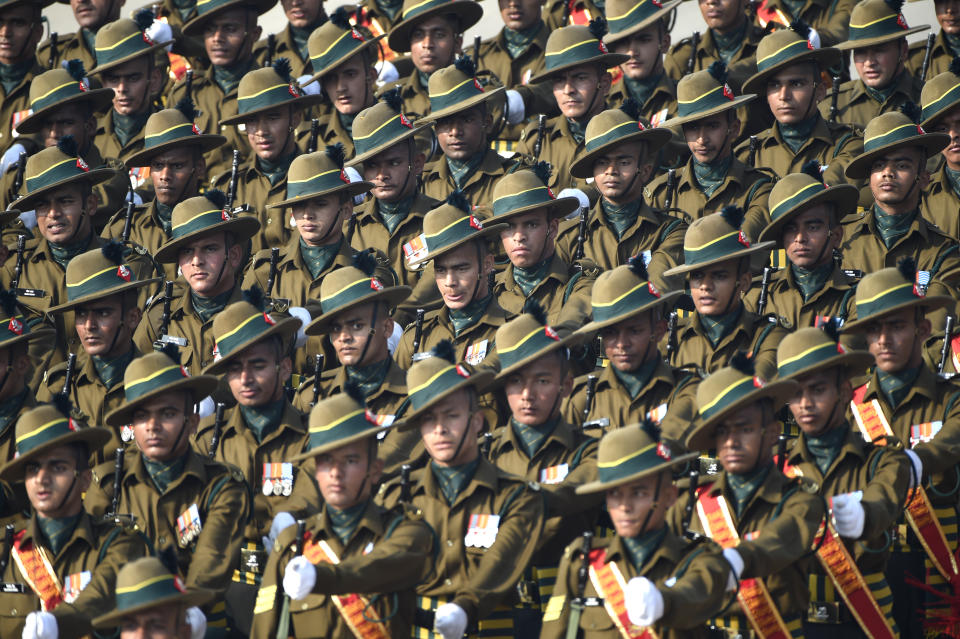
162	540
447	582
304	606
450	543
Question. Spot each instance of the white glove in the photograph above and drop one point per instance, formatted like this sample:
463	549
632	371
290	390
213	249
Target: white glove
736	567
206	407
814	38
644	602
281	521
849	514
197	621
580	195
303	315
11	156
916	468
160	31
354	176
516	110
29	219
386	72
40	625
450	621
394	338
313	88
299	577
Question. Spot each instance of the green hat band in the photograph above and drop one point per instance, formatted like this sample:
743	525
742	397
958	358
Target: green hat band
174	133
574	53
13	327
115	275
809	357
453	232
729	395
198	222
392	128
717	96
137	388
266	98
633	462
352	291
56	94
796	199
319	183
537	196
464	91
528	346
947	98
441	381
45	433
637	14
206	6
247	331
347	426
716	248
152	589
63	170
896	134
417	9
134	43
621	130
640	295
899	294
882	27
789	51
339	48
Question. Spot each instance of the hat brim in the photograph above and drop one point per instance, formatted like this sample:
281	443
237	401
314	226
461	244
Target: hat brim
480	381
755	249
100	100
201	386
303	102
468	12
656	138
244	228
40	333
856	362
572	339
826	57
127	58
205	141
598	486
558	208
590	328
844	196
735	103
99	295
192	28
930	303
610	38
333	65
419	128
95	437
340	443
94	176
392	296
8	215
193	597
849	45
285	328
353	188
779	391
931	143
469	103
486	232
608	60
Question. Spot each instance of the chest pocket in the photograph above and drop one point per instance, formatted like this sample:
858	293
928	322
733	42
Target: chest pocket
595	618
17	605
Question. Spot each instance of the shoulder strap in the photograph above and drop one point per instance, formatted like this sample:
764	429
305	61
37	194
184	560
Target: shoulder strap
839	145
753	188
763	335
943	256
668	229
844	302
570	284
506	505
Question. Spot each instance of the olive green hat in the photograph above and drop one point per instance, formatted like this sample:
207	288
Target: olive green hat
612	128
45	427
55	167
528	337
705	93
784	48
382	126
317	174
717	238
334	42
201	215
144	584
207	9
267	88
526	190
124	40
626	17
243	324
173	128
414	12
456	88
338	420
812	349
99	273
874	22
156	374
57	88
798	192
939	94
447	227
433	378
350	286
622	293
891	290
894	130
14	326
728	390
576	45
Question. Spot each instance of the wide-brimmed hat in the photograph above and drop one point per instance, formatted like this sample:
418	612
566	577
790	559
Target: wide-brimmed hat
528	337
173	128
626	17
813	349
798	192
894	130
348	287
456	88
380	127
144	584
14	327
705	93
940	93
156	374
57	88
334	42
243	324
526	190
414	12
717	238
631	453
207	9
622	293
576	45
728	390
874	22
97	274
784	48
266	89
338	420
612	128
49	426
891	290
433	378
447	227
124	40
202	215
55	167
317	174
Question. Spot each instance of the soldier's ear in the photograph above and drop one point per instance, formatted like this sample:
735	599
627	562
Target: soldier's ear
924	328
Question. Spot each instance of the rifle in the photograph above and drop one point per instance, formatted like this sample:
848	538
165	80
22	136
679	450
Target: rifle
117	481
271	49
217	431
945	349
688	509
567	8
581	235
314	135
188	82
283	624
234	176
405	484
164	338
317	370
418	331
272	276
351	225
54	37
834	96
18	267
68	377
583	572
694	43
486	444
7	546
18	176
671	189
541	131
754	147
926	57
764	285
127	219
603	422
476	52
781	451
672	334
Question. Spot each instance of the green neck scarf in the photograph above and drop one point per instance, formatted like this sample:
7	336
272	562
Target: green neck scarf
641	547
532	437
10	408
953	41
346	121
892	227
882	94
710	175
729	43
319	258
528	278
184	8
464	318
300	35
809	282
620	217
128	126
424	78
345	522
519	41
12	74
370	377
207	307
896	386
641	90
953	177
89	39
453	479
796	134
110	371
745	486
275	171
263	420
63	253
390	7
794	6
600	4
634	381
162	474
719	326
462	170
577	131
825	447
393	213
165	213
228	77
57	532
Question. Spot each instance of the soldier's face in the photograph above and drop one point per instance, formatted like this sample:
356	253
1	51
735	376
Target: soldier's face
809	239
897	179
301	13
519	14
62	215
105	327
878	65
270	133
207	264
162	427
581	91
162	622
350	333
345	475
630	504
948	15
534	393
350	85
133	83
20	32
256	375
630	343
433	44
896	340
93	14
743	441
176	174
723	15
70	119
229	37
716	289
318	219
393	172
949	123
52	479
458	272
821	401
528	238
621	172
793	93
710	138
451	424
463	135
645	48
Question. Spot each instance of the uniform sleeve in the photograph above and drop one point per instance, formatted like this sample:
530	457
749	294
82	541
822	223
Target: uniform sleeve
146	332
837	28
404	352
577	310
886	492
668	254
785	539
538	98
836	165
254	276
557	615
217	550
269	602
940	454
672	61
561	499
699	592
757	213
678	423
765	355
97	501
572	407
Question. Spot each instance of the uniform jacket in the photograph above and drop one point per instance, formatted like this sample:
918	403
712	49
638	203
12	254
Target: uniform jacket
564	294
855	106
438	182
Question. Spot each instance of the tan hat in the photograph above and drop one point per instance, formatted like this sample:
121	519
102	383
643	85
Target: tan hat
456	88
812	349
577	45
201	215
894	130
705	93
207	9
124	40
266	89
55	167
313	175
466	12
717	238
526	190
528	337
874	22
54	89
626	17
449	226
784	48
610	129
382	126
173	128
99	273
939	94
334	42
338	420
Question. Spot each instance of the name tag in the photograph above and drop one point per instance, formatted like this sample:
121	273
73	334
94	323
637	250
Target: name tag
923	433
481	531
74	583
415	250
11	588
476	352
554	474
277	478
188	526
657	414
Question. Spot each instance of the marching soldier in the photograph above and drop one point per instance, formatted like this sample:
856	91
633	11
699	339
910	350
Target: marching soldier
647	578
940	101
351	546
23	25
944	48
89	16
303	18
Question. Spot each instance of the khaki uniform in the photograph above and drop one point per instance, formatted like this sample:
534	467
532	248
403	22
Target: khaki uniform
742	65
691	578
937	203
284	47
660	106
15	106
69	46
581	12
387	554
332	132
145	230
940	57
560	150
438	183
855	106
755	335
416	98
8	447
564	293
109	146
94	552
785	302
830	19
